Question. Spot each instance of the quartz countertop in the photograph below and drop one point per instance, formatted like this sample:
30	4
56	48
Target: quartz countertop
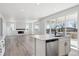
46	37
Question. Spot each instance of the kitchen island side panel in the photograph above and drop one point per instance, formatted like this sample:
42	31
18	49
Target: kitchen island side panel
40	47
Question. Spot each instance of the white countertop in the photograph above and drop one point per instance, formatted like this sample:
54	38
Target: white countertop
46	37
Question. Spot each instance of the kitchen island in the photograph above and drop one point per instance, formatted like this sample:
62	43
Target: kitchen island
49	45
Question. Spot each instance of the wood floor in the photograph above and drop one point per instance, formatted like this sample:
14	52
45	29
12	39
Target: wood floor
74	52
18	46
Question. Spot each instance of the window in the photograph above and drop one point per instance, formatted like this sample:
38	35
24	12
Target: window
37	27
27	28
60	27
50	28
12	27
71	24
71	28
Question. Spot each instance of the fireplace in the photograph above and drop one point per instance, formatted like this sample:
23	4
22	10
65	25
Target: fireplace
20	31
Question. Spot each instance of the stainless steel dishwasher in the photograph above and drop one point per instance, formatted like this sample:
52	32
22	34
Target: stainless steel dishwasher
52	47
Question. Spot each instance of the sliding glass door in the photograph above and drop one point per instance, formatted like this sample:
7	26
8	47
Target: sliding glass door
71	28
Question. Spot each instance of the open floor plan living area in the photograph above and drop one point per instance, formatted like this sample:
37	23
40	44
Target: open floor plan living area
39	29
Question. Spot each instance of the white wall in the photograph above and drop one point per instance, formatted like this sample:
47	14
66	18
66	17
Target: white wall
78	30
4	27
20	25
42	26
35	27
0	26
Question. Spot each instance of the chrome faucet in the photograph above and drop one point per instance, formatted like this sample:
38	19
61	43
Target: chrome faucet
56	28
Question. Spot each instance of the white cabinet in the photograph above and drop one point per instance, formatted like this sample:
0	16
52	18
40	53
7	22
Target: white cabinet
67	47
64	46
61	47
40	47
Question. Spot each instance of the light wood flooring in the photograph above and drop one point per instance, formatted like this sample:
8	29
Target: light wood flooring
74	52
19	45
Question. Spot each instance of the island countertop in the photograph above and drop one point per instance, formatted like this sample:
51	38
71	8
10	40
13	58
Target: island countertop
46	37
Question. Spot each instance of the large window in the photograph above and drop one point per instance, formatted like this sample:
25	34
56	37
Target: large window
12	26
71	25
71	28
55	26
60	27
51	24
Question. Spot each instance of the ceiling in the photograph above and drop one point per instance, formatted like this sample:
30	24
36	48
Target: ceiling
15	12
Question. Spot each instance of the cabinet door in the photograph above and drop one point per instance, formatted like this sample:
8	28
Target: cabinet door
67	47
40	47
61	47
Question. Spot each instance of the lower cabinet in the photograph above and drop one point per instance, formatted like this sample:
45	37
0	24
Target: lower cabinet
60	47
64	46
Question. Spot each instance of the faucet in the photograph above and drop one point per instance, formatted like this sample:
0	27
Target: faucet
56	28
